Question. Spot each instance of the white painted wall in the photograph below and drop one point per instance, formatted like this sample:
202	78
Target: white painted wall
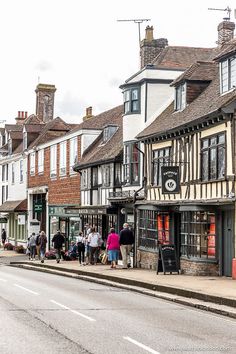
17	190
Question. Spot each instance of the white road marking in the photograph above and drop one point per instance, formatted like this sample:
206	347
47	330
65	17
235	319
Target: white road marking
3	280
30	291
148	349
73	311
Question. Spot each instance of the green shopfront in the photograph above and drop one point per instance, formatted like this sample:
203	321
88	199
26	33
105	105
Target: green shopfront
66	219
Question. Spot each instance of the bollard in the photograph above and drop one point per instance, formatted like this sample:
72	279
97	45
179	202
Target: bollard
234	268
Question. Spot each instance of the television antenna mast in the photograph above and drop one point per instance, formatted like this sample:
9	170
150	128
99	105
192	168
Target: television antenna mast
138	21
227	9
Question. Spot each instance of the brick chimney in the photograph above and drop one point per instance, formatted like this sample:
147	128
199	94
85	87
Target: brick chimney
22	116
150	47
45	102
225	32
89	113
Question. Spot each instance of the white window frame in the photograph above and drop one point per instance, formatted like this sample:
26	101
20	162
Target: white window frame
53	161
41	161
32	163
63	152
180	97
73	153
21	172
24	140
227	74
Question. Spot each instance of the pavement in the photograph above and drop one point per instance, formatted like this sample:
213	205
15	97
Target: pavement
215	294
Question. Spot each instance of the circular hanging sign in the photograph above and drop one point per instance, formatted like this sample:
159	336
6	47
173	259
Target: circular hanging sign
170	185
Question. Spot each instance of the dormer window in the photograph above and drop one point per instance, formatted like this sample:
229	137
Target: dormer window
132	100
25	140
108	132
228	74
180	97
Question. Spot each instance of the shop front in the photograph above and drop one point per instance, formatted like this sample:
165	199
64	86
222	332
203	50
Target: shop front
203	237
66	219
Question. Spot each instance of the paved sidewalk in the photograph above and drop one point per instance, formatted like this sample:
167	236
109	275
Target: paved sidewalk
219	290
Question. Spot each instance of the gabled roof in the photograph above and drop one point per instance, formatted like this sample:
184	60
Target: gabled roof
199	71
34	128
33	119
100	152
51	130
180	57
208	102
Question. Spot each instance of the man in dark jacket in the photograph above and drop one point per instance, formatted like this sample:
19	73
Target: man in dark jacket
58	240
126	244
4	236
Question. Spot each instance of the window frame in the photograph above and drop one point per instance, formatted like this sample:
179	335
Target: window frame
73	153
129	163
129	101
13	173
32	163
53	161
207	151
180	97
157	164
41	161
63	158
227	75
21	171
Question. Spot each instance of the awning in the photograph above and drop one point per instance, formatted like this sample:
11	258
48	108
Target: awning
14	206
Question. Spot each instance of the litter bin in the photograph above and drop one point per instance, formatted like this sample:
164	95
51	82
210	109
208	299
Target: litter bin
234	268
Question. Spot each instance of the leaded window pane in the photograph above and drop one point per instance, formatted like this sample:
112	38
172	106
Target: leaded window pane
205	165
213	163
221	162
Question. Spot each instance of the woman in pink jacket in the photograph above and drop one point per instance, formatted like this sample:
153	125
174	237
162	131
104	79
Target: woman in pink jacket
113	247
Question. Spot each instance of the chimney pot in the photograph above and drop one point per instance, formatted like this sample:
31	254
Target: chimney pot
89	113
149	33
26	115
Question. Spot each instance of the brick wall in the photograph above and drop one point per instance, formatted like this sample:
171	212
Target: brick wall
61	190
194	90
190	267
147	260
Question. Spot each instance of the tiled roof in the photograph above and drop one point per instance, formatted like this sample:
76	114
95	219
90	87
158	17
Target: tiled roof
14	127
34	128
51	130
16	135
226	49
199	71
208	102
99	151
178	57
16	205
33	119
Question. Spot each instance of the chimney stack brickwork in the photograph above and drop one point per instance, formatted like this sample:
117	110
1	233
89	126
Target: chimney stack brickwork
45	102
22	116
150	47
89	113
225	32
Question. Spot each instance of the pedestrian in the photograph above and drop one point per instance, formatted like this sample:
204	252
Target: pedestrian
38	246
72	253
28	248
81	240
113	247
4	237
94	240
58	240
42	245
126	244
32	246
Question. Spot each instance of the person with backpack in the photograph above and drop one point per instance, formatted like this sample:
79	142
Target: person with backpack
42	245
32	246
58	240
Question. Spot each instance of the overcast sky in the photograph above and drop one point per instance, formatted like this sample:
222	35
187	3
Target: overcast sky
81	48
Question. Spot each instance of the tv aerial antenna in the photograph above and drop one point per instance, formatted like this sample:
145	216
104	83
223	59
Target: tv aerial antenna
138	21
227	9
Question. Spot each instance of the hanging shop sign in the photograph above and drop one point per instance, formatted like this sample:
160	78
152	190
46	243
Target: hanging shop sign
170	179
38	207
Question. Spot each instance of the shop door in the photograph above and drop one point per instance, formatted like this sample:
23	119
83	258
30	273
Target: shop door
227	243
176	234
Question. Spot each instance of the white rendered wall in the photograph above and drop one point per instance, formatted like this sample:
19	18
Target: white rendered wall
17	190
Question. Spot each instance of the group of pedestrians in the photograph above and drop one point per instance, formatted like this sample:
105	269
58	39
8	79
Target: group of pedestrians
36	245
86	247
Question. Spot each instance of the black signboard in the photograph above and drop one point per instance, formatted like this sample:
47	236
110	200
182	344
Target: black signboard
170	179
168	259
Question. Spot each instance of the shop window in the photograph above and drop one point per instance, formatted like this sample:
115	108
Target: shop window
213	157
154	229
198	235
163	229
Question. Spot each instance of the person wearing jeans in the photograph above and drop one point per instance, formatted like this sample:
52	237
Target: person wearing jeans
42	245
94	240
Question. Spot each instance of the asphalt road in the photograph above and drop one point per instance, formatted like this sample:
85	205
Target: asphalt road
44	313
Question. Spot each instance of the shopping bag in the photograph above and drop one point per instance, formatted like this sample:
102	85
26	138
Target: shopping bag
104	258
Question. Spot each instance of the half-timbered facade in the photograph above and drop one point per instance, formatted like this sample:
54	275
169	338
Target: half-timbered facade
195	134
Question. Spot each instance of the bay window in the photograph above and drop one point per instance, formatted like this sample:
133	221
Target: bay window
132	100
131	163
